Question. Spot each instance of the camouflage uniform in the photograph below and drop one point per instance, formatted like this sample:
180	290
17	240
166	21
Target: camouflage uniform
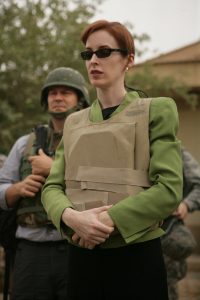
177	267
176	270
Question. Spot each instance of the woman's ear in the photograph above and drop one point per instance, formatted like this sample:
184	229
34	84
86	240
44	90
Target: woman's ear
130	61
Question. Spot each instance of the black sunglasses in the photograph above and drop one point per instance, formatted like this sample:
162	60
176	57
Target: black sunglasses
101	53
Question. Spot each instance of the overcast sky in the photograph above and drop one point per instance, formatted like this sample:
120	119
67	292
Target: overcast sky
171	24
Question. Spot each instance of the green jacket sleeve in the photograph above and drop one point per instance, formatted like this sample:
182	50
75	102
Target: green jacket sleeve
54	199
139	213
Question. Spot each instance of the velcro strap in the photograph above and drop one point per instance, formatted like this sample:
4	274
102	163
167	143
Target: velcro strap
112	175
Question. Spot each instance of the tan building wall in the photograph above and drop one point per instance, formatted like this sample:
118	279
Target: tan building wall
188	73
184	65
190	52
189	131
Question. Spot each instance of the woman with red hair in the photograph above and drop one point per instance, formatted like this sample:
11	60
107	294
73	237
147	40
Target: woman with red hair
116	176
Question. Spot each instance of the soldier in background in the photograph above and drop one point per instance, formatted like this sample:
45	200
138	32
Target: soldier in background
178	243
41	253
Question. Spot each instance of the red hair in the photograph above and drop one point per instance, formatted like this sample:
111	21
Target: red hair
117	30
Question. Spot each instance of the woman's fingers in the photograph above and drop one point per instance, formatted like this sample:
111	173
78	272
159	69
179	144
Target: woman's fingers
75	237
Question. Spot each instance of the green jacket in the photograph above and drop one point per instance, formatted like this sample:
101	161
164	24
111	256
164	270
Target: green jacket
133	216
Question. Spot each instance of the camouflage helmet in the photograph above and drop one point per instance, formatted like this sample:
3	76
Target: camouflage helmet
66	77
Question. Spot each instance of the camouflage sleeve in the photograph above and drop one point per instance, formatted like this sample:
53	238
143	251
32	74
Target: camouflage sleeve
191	170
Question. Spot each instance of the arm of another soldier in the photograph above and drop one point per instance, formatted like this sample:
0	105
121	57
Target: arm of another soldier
191	190
11	188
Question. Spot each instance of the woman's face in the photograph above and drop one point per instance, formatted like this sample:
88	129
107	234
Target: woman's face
108	71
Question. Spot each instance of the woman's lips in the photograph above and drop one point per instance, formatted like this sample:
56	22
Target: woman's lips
95	72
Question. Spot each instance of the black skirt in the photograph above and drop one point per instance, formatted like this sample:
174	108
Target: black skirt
134	272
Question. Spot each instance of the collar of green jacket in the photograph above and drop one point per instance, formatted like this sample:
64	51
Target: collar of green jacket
96	112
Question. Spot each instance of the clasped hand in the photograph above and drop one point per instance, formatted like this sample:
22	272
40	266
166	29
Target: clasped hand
92	227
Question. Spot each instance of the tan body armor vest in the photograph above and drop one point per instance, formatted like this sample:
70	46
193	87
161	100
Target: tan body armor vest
107	161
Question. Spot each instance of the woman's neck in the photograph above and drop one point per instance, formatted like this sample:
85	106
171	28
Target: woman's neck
110	97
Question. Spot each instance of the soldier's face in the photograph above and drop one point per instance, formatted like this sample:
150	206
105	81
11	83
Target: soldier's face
61	99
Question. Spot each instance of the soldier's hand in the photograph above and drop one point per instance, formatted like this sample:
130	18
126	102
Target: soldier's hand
182	211
41	163
30	185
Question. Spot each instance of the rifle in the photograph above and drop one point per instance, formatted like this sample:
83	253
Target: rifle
41	132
